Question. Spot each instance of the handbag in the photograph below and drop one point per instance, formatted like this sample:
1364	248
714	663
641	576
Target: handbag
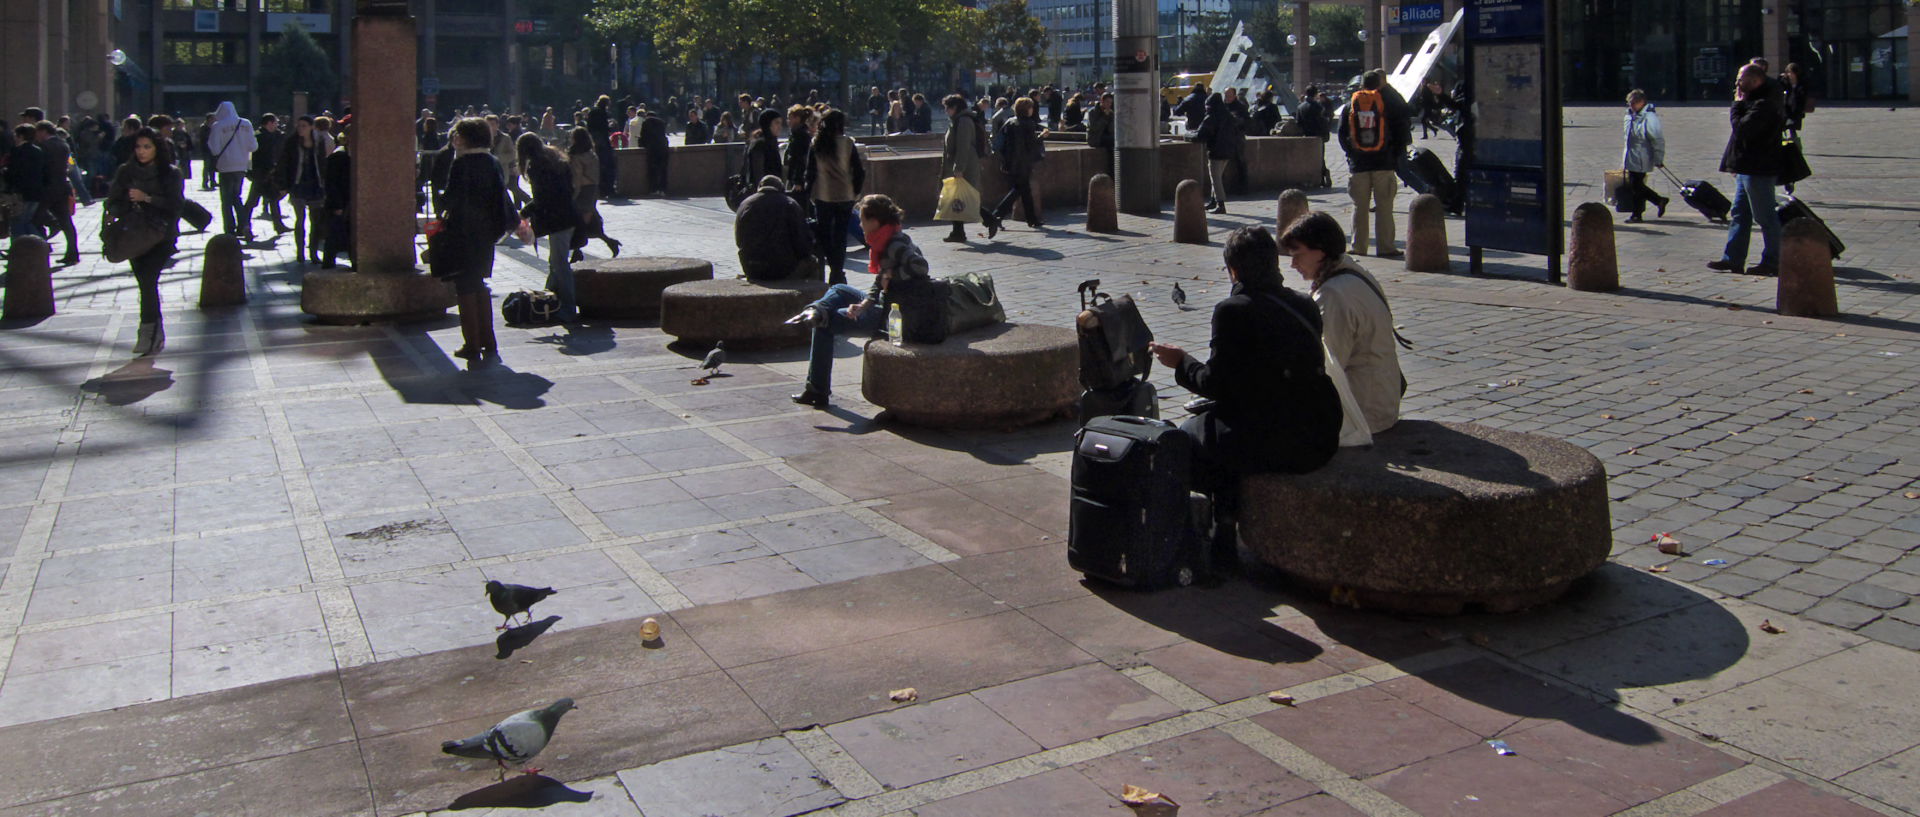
959	201
1793	162
529	307
1354	431
972	302
130	232
738	189
923	309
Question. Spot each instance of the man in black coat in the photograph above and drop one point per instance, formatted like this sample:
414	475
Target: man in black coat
653	137
772	234
26	178
56	196
339	205
1753	156
261	177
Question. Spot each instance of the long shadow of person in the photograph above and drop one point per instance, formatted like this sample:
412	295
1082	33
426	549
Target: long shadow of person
516	638
132	383
495	382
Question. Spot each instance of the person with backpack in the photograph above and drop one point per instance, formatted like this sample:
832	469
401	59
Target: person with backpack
1356	321
961	152
1018	145
835	178
1373	133
1222	137
230	154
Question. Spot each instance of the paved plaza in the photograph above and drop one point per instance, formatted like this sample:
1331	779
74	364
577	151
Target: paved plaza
244	576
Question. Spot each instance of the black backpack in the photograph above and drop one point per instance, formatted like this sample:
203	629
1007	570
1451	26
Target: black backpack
1113	339
534	307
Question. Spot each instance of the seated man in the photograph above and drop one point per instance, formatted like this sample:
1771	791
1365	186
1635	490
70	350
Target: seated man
899	271
772	234
1273	407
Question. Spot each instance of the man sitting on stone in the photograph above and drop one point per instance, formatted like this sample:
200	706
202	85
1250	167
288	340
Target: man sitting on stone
772	234
1273	408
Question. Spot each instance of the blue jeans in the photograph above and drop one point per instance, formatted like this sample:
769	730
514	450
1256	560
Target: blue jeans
834	303
1753	203
560	272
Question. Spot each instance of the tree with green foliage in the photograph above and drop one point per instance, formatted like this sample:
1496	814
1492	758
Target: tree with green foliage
296	63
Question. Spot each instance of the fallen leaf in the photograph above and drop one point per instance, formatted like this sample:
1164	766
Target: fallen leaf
1280	698
1657	569
526	660
903	696
1735	307
1805	391
1606	416
1811	419
700	381
1480	639
1913	494
1767	626
1133	795
1148	802
1667	544
1807	478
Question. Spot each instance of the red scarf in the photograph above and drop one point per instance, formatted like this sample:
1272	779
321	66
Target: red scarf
877	242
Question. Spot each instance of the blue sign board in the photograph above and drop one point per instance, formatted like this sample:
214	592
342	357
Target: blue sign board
1506	19
1506	209
1415	18
1513	172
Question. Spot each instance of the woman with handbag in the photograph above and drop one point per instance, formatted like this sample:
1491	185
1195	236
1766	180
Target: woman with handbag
301	171
551	213
586	195
1646	150
147	191
474	213
960	154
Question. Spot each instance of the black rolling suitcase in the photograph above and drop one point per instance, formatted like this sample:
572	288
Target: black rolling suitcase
195	214
1129	523
1794	208
1703	196
1423	171
1135	397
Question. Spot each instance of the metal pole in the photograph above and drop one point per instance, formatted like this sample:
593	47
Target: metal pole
1136	105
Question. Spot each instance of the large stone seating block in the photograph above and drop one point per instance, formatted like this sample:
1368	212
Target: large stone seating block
347	297
1436	517
997	377
630	287
745	314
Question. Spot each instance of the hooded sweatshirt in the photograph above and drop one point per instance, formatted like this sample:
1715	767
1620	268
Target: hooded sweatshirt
230	141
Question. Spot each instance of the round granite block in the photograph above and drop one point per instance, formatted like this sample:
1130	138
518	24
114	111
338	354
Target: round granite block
999	376
348	297
1436	517
745	314
629	288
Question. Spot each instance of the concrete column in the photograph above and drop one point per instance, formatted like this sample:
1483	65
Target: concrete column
59	97
1913	52
429	39
86	57
1773	36
23	55
510	10
1302	50
382	145
1136	103
256	26
1372	20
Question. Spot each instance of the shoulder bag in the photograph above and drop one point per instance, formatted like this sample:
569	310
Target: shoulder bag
973	303
129	232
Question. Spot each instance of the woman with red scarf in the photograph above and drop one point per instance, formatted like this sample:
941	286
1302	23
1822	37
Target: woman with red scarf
896	264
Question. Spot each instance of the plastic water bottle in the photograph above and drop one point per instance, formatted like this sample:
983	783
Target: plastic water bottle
895	331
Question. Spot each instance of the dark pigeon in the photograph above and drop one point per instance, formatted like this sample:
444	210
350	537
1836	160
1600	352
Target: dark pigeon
1179	296
516	739
513	599
715	359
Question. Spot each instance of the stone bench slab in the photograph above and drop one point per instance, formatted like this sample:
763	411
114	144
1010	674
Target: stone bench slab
629	288
1000	376
1436	517
745	314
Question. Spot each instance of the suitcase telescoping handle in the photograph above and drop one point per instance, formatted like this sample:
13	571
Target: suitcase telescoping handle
1139	421
1677	184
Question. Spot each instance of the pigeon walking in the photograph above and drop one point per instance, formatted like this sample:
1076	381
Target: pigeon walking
1179	296
510	600
715	359
517	739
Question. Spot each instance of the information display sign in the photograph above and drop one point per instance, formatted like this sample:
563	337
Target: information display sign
1513	169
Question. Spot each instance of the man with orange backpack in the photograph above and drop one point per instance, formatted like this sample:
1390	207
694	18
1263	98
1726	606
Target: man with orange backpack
1374	132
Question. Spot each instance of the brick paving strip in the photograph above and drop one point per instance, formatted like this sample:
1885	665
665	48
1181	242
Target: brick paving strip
301	500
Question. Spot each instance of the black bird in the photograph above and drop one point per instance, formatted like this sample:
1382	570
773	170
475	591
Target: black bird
715	359
1179	296
510	600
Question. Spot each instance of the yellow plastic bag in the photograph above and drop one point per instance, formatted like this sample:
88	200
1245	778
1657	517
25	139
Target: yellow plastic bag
959	201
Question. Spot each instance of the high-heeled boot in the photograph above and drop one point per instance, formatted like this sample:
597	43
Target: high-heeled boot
469	344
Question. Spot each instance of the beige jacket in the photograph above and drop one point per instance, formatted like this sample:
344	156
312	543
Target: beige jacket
1359	334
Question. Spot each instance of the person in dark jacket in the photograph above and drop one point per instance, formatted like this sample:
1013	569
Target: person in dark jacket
1264	116
122	149
771	234
698	131
1100	131
653	138
1194	107
1273	407
920	119
1020	149
1753	157
1222	137
800	125
1237	106
208	178
550	213
27	178
1312	117
1797	98
474	213
835	179
899	271
261	177
600	126
57	195
301	170
1374	132
149	180
586	196
763	147
339	203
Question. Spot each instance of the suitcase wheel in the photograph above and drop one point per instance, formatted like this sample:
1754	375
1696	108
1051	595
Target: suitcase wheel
1184	576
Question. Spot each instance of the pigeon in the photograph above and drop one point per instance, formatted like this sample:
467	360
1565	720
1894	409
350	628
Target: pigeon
513	599
1179	296
518	738
715	359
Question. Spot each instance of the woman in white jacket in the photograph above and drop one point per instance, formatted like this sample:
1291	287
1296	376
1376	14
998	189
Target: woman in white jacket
1646	150
1356	321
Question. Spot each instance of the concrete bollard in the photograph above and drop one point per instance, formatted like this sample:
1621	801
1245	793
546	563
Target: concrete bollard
1189	213
222	279
1591	262
1427	235
1293	205
29	279
1806	272
1102	208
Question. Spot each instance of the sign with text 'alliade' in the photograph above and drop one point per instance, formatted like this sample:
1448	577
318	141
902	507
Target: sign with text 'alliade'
1415	18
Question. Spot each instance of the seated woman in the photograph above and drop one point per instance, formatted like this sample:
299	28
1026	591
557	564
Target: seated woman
898	269
1274	408
1358	324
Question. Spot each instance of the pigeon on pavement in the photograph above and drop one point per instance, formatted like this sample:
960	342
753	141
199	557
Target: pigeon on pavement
715	359
1179	296
510	600
517	739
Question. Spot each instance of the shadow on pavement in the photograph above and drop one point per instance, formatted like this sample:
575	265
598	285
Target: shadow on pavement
132	383
524	791
518	638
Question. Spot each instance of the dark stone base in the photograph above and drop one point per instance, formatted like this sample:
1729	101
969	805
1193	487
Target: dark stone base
1436	518
747	315
629	288
995	377
349	298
